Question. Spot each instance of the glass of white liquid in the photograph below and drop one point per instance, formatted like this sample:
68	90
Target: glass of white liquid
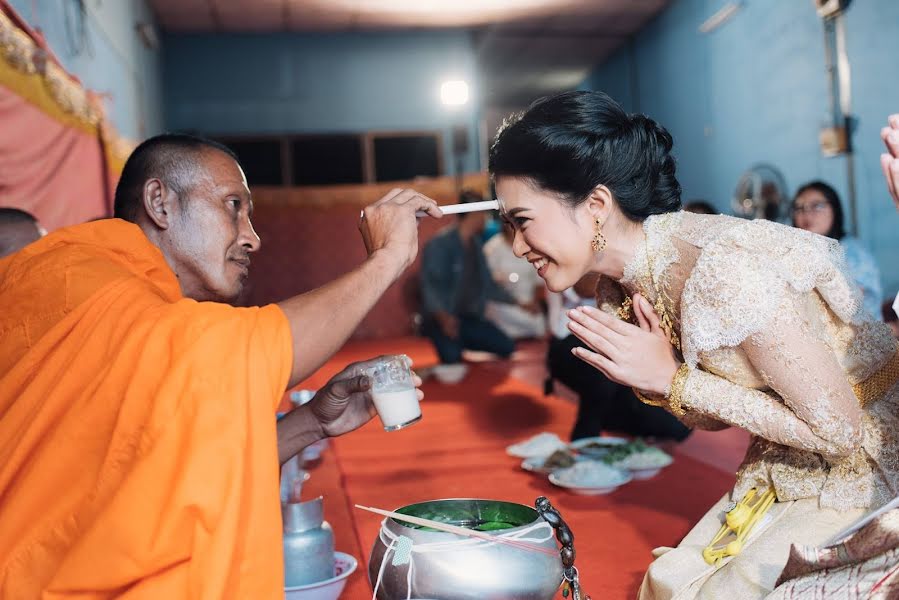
393	392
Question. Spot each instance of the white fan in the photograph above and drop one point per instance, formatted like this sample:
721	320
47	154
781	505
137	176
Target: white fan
761	194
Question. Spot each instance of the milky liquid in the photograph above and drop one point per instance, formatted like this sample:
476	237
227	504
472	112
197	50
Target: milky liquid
397	408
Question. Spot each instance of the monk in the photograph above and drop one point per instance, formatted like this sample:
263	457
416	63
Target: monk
139	453
18	228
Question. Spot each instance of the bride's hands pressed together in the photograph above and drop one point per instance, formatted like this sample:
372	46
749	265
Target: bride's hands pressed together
636	356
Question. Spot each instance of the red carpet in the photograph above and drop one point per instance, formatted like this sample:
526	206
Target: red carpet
458	450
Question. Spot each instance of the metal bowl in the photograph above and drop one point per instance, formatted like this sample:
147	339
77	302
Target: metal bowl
473	571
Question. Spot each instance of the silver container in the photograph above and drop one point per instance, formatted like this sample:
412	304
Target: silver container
308	543
478	572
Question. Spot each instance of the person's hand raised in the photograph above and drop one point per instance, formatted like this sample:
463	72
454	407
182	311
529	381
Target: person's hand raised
638	356
889	161
390	224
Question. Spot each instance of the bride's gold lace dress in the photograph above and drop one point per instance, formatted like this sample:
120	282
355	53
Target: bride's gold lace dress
779	345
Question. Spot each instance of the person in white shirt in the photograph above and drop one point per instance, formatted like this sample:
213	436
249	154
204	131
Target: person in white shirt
525	319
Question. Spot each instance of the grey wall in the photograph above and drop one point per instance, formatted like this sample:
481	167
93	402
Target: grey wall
292	83
755	90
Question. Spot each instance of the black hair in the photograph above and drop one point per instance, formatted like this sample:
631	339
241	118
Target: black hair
170	157
837	230
12	216
573	142
700	207
888	313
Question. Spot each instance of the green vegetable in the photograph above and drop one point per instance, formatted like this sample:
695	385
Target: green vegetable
494	526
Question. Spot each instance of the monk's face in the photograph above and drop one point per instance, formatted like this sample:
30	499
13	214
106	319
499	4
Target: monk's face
210	236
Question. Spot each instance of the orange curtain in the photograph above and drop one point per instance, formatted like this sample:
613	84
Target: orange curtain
59	158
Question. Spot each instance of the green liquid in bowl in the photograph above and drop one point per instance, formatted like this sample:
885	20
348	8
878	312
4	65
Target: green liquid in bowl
479	515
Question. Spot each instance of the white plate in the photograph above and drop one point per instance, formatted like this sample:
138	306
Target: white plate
523	450
329	589
605	441
646	472
640	474
661	460
586	490
534	464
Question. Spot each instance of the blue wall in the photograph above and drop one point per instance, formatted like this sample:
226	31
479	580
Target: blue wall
755	90
289	83
111	60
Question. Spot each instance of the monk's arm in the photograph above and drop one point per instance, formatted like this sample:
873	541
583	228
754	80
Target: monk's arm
299	428
342	405
322	320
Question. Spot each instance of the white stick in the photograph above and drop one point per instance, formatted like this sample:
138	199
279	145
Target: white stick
449	528
453	209
894	503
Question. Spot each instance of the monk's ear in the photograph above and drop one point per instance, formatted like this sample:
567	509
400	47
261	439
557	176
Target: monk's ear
156	202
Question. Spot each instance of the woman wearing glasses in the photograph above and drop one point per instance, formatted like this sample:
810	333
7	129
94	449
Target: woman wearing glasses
817	208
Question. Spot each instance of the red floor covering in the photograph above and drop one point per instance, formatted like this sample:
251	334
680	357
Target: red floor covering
458	450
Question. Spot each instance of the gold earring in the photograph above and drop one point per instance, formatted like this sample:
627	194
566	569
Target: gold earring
599	240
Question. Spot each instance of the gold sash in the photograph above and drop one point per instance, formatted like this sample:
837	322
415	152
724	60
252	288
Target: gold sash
878	383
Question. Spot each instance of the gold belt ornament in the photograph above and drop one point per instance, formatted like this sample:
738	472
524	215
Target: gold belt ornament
878	383
739	520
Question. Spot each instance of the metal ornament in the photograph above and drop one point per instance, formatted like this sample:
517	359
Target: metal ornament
571	582
599	240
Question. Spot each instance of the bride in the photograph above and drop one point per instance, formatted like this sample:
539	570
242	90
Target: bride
722	321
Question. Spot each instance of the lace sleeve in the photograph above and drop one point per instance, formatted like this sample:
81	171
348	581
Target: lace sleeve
811	405
695	420
740	281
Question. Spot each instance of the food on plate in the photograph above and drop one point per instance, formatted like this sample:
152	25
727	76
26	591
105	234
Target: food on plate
542	444
591	473
559	459
648	458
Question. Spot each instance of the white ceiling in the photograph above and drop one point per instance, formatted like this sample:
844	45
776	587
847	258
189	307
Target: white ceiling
526	48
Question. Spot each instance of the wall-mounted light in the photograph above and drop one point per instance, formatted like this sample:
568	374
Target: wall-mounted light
454	93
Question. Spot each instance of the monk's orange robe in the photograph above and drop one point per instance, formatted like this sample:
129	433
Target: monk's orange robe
138	454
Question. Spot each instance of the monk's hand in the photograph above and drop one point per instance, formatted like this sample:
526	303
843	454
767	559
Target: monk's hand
638	356
390	225
889	161
345	403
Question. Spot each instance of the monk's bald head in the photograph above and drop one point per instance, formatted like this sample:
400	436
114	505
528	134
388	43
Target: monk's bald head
17	229
177	160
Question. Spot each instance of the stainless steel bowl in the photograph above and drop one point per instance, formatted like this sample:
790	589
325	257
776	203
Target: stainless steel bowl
481	571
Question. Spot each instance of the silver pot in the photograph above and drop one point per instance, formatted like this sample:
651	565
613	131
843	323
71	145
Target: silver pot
480	571
308	543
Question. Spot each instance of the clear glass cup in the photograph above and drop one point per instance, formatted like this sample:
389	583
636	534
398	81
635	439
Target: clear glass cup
393	392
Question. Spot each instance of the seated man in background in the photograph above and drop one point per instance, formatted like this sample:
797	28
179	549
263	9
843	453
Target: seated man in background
138	447
603	405
17	229
455	286
525	318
